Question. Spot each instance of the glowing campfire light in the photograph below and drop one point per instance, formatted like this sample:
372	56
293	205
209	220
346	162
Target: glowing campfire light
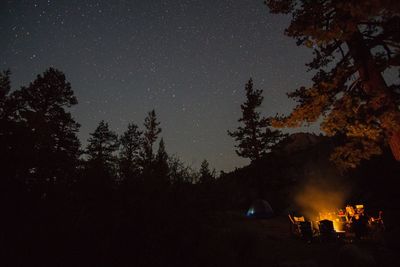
322	201
337	226
332	216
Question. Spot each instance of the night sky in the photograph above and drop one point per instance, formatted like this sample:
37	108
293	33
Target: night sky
188	59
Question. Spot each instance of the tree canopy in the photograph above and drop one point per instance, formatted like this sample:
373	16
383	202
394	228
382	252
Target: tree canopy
131	143
160	165
37	116
354	43
205	174
102	146
152	130
255	138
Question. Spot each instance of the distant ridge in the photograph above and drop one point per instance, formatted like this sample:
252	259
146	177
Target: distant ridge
300	141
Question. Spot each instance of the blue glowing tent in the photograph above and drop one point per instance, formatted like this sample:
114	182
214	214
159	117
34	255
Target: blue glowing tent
260	209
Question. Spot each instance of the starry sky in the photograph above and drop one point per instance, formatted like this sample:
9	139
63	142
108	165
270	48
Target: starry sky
187	59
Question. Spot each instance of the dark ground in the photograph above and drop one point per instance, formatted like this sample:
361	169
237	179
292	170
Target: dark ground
270	244
195	225
168	233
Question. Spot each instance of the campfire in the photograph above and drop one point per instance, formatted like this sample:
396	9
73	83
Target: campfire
325	216
338	218
349	222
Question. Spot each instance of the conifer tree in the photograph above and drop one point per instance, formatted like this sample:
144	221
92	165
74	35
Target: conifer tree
255	138
102	146
5	87
129	157
205	174
161	167
51	147
152	130
7	126
354	42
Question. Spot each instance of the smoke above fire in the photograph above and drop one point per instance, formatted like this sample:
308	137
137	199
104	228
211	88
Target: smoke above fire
315	198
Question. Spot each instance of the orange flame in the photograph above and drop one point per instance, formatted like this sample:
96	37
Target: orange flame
322	203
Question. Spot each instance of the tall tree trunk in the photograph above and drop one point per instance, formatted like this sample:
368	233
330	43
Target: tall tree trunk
373	83
381	98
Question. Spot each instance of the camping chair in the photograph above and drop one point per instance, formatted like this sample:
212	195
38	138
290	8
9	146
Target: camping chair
300	227
326	230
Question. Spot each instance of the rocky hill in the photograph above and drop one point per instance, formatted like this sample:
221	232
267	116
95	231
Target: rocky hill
303	159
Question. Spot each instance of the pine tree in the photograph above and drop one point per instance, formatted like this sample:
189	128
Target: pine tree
205	174
129	157
5	87
51	147
255	138
102	146
354	42
7	127
152	130
161	167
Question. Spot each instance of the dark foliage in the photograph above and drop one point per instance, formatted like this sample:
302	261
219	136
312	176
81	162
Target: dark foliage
37	127
130	157
152	130
206	175
160	166
353	43
255	138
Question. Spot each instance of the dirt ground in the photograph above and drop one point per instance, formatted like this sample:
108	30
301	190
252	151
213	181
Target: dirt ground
267	242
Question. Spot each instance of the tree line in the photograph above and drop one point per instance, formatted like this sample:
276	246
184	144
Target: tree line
113	201
39	147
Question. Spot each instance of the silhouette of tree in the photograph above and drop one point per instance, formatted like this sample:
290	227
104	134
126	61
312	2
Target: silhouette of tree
50	145
5	87
7	126
353	43
255	138
102	144
180	173
205	174
161	167
152	130
129	157
101	149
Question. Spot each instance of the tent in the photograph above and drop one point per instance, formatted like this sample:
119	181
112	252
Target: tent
260	209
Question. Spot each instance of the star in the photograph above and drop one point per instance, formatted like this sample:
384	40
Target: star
188	59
